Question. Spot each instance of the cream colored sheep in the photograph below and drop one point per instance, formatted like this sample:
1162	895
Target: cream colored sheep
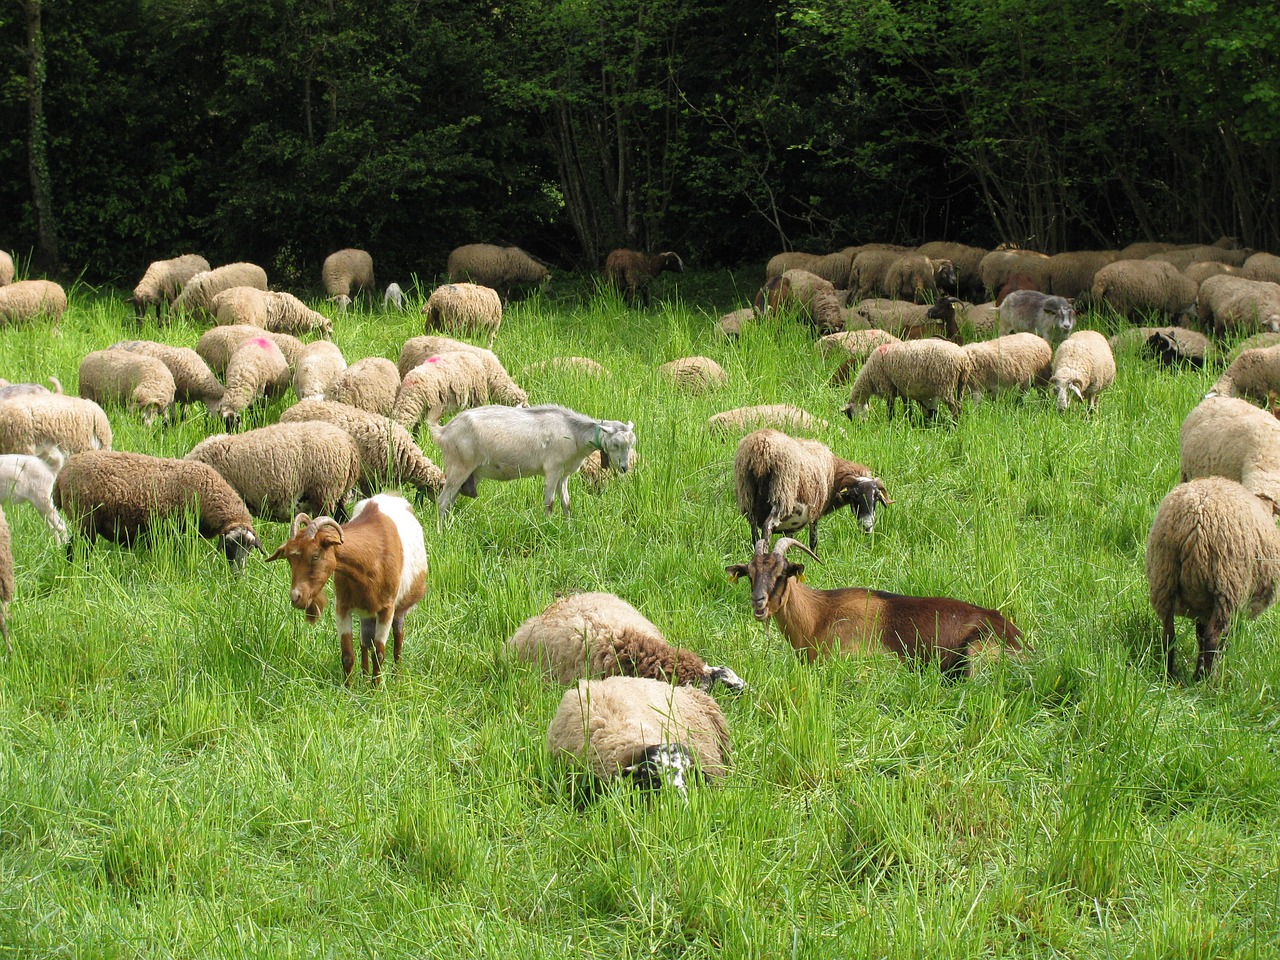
28	300
1137	288
370	384
1071	274
505	269
1083	366
928	372
346	274
780	415
853	343
502	389
1254	374
998	266
256	370
1228	437
164	280
730	325
580	366
218	344
193	381
197	296
36	421
1229	304
1262	266
694	375
320	363
465	308
1202	270
1015	362
440	385
141	382
6	269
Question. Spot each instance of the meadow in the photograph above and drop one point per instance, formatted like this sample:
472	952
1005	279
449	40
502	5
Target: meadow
183	774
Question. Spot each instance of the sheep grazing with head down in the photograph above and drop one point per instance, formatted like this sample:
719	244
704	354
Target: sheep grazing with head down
1227	437
966	260
1138	288
465	308
1227	304
346	274
320	363
218	344
196	298
915	277
816	299
140	381
1082	367
271	310
694	375
1017	362
502	389
588	635
370	384
505	269
193	381
29	300
440	385
928	372
256	370
632	271
164	280
1254	375
910	321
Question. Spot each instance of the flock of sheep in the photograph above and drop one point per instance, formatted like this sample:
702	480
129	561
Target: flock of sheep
638	706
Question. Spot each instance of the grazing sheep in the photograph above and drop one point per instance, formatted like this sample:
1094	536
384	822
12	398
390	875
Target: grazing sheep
164	280
815	299
869	271
632	271
1228	437
320	363
441	385
1177	345
27	478
218	345
388	454
695	375
928	372
507	443
10	390
1142	249
1029	311
588	635
782	484
1082	365
269	309
730	324
393	298
1264	339
915	277
502	389
6	269
857	345
820	623
1071	274
347	273
999	265
911	321
1213	554
256	370
1202	270
281	467
122	376
465	308
30	423
1227	304
1184	257
117	496
780	263
7	582
503	268
1137	288
370	384
1017	362
239	305
780	415
193	381
28	300
197	296
1262	266
655	733
967	261
1254	374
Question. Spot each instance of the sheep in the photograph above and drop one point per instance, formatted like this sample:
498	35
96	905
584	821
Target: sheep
816	299
1228	437
378	563
1213	553
121	376
370	384
1135	288
388	454
1177	345
503	268
466	308
320	363
632	271
6	269
197	296
28	300
440	385
28	478
502	389
1184	257
998	266
730	324
1141	249
648	730
782	484
1202	270
164	280
694	374
346	273
193	381
1254	374
588	635
239	305
7	582
1018	362
1082	365
271	310
914	277
1071	274
10	390
257	369
928	372
911	321
869	271
1029	311
967	261
1264	339
1262	266
393	298
780	415
780	263
505	443
1227	304
217	345
117	496
73	424
283	466
857	345
820	623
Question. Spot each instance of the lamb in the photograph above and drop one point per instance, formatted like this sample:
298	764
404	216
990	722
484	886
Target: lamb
320	363
1254	374
378	563
256	370
1135	288
122	376
506	443
370	384
10	390
1082	365
6	269
1227	304
632	271
502	389
1213	553
815	298
197	296
915	277
1262	266
820	623
1029	311
1017	362
695	375
164	280
928	372
388	454
30	423
346	274
117	496
283	466
644	729
193	381
28	300
271	310
440	385
1228	437
588	635
29	479
393	298
505	269
783	484
219	344
466	308
7	582
780	415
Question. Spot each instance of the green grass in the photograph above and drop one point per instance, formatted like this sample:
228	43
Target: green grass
182	773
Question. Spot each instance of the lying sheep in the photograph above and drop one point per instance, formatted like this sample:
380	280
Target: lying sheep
1213	554
1029	311
928	372
281	468
347	273
196	298
1227	437
164	280
502	389
465	308
441	385
30	423
695	375
141	382
1170	346
1227	304
1082	365
587	635
782	484
10	390
370	384
117	496
26	478
320	363
256	370
29	300
1262	266
193	381
1254	374
632	271
1137	288
1015	362
915	277
219	344
505	269
783	416
730	324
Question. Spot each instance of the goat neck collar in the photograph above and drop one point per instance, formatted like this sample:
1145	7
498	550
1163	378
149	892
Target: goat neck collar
595	440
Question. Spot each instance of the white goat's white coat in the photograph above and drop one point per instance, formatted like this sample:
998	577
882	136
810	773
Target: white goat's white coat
30	479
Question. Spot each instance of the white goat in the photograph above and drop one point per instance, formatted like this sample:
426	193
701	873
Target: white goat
29	479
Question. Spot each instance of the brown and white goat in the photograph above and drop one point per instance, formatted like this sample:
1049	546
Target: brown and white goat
820	623
378	562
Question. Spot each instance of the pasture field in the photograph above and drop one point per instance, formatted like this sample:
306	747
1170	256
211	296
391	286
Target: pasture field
182	773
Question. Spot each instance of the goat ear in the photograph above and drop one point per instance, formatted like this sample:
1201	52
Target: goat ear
604	459
796	570
278	553
735	571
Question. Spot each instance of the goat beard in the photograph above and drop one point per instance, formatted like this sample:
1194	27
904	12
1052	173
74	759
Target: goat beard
315	608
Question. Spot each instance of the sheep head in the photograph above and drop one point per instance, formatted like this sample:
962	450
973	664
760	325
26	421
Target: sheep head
237	542
770	573
663	763
861	494
311	551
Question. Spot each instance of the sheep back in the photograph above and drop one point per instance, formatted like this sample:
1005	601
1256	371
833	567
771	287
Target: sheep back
466	308
28	300
74	424
164	279
1228	304
347	272
440	385
501	268
1229	437
320	363
141	381
694	374
1262	266
1018	361
370	384
780	415
197	296
1142	287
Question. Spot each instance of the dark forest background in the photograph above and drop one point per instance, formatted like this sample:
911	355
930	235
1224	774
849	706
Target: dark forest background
279	130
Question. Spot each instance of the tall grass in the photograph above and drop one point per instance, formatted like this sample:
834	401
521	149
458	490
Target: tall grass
183	774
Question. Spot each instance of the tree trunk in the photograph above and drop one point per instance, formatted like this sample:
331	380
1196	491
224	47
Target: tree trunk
46	254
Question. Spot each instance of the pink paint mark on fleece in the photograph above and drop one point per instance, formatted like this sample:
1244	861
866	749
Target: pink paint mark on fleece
262	342
435	359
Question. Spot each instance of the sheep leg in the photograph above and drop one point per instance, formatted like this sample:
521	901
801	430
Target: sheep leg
1209	634
1170	646
348	647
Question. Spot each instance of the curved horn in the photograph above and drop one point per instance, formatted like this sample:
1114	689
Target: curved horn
299	521
882	494
786	543
319	523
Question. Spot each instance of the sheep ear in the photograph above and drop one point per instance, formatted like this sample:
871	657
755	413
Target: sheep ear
1076	390
735	571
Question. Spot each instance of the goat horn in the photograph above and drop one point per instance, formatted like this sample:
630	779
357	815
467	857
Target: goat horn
299	521
786	543
319	523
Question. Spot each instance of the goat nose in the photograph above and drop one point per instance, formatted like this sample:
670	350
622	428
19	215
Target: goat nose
295	596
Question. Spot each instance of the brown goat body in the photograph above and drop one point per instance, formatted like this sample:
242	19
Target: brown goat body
632	271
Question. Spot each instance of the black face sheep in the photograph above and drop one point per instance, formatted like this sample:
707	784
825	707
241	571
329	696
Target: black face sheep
193	381
781	415
197	296
783	484
27	478
370	384
632	271
1082	367
140	381
601	635
655	733
164	280
820	623
1227	437
346	274
1138	288
505	269
966	259
1213	553
29	300
928	372
1016	362
506	443
32	422
1029	311
1233	304
378	563
465	308
1175	346
7	582
117	496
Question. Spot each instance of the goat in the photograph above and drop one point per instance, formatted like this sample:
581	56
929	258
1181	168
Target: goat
378	562
820	623
27	478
